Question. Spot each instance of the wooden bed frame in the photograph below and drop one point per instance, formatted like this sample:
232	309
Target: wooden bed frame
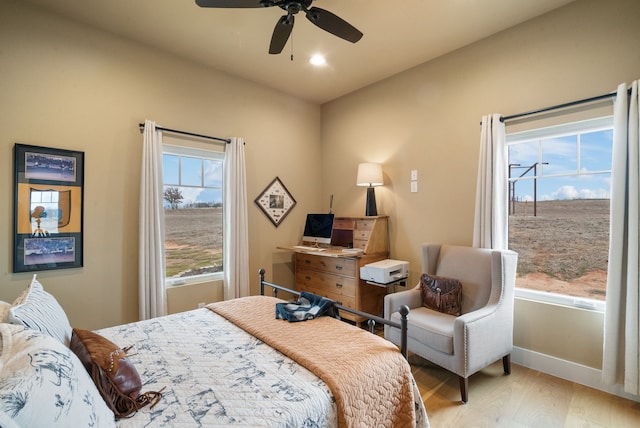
372	319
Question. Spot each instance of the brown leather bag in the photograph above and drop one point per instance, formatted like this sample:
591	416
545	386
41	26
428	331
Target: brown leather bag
115	376
441	294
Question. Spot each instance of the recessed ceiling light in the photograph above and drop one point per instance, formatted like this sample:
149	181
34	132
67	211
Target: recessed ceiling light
317	60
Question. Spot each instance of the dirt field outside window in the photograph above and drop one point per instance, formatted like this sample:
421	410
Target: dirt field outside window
564	248
193	241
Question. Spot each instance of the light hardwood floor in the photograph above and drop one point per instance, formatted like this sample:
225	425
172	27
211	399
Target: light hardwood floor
525	398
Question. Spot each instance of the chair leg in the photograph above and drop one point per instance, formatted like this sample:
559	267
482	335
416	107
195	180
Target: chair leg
464	388
464	381
506	364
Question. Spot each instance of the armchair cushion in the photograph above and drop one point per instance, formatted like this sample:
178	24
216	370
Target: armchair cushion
441	294
431	328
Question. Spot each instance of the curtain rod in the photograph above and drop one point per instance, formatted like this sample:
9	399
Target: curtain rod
560	106
175	131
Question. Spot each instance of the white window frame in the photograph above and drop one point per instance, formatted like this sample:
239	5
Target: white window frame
201	154
585	126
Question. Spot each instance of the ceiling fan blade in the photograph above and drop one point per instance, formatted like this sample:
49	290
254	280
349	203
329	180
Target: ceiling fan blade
333	24
234	3
281	33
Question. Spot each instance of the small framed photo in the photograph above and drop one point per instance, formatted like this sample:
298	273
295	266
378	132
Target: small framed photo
275	201
48	202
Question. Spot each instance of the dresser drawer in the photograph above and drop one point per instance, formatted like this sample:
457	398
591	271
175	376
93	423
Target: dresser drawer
336	284
364	224
360	243
361	234
343	223
348	301
335	265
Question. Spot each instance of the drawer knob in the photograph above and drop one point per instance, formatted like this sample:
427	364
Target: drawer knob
308	278
338	267
307	261
338	284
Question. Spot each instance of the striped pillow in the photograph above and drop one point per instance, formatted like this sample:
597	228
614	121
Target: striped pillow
38	310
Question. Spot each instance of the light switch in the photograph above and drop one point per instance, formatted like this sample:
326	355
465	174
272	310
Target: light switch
414	186
414	174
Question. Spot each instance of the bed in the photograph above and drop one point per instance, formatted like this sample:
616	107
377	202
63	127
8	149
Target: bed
233	364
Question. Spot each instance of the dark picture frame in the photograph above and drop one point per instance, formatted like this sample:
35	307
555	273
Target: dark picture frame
275	201
48	216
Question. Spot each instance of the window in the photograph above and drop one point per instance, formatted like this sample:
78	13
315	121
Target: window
193	180
559	191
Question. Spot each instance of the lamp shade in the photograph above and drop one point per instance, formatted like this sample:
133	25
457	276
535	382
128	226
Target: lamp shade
369	174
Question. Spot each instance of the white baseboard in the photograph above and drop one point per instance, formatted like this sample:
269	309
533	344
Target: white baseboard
568	370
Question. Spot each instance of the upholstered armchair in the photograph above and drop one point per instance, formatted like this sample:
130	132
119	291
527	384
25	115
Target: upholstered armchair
483	333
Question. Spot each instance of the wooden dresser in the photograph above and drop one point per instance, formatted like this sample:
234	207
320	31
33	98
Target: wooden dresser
335	273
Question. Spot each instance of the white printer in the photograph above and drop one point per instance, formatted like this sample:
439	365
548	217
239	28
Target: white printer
385	271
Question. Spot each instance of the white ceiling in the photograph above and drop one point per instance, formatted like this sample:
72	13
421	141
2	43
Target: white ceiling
398	34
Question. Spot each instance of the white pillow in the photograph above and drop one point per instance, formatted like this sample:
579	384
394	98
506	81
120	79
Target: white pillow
44	384
38	310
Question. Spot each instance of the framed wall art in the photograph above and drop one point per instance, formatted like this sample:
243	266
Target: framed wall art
275	201
48	199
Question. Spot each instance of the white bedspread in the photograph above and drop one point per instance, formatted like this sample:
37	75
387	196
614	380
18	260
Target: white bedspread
216	375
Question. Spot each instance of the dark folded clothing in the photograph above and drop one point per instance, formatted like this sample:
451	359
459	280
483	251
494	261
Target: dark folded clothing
308	307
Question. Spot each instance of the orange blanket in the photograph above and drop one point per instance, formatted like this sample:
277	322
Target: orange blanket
367	375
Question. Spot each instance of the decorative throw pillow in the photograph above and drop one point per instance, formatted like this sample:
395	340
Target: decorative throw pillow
43	384
441	294
38	310
114	375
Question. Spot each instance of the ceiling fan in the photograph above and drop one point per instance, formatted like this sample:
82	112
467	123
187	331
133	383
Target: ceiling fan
319	17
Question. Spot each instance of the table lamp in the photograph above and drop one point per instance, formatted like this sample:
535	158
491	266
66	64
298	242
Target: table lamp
370	174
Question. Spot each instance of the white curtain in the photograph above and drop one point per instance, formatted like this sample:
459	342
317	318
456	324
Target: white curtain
236	228
490	229
151	287
621	359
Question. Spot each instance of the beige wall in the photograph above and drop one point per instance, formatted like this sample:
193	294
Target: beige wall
68	86
427	119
